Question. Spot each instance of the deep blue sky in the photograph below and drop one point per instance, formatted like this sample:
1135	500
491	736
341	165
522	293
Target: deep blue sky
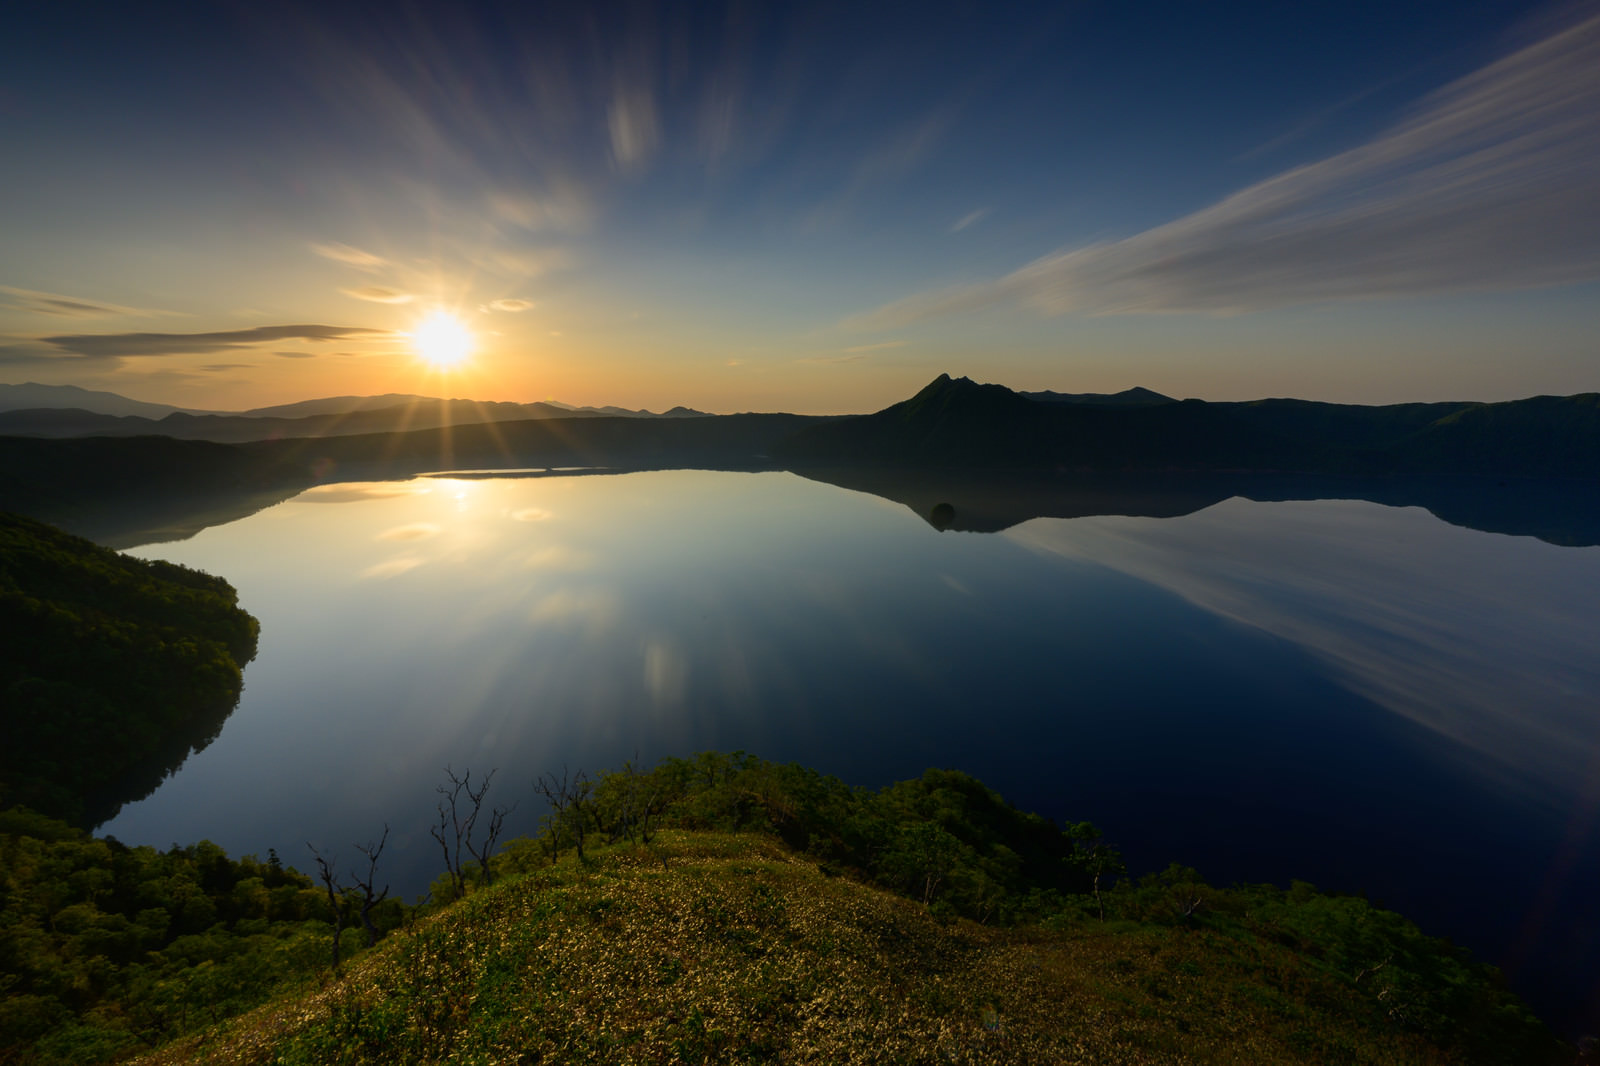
807	207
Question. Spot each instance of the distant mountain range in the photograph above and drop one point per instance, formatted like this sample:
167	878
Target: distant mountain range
67	411
955	423
122	491
71	397
1134	397
963	455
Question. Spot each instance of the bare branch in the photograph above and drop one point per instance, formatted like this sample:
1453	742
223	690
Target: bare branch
497	816
460	809
1370	970
369	899
327	871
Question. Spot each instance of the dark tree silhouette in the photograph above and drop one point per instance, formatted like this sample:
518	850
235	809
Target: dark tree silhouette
570	799
923	855
630	801
369	899
459	811
1096	858
497	817
328	874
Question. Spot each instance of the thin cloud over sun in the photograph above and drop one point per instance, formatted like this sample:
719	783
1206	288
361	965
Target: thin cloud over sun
349	255
379	294
1490	184
123	345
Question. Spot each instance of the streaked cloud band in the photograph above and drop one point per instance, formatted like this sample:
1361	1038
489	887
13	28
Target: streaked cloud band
1493	183
120	345
379	294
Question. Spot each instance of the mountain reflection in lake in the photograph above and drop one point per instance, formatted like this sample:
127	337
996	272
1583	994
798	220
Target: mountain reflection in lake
1357	695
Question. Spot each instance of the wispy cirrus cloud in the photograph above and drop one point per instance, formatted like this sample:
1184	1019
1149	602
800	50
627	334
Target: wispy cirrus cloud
631	120
524	263
563	206
887	162
125	345
1492	183
380	295
899	154
349	255
880	346
829	360
970	219
54	303
509	304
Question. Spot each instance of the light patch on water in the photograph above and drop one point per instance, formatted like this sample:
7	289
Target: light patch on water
414	531
356	491
558	557
666	673
392	567
596	611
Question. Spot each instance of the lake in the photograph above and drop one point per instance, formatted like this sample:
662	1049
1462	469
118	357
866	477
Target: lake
1338	691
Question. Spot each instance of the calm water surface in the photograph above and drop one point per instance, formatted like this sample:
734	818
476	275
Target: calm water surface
1356	695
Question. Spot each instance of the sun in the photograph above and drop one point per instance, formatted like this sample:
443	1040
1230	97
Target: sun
442	340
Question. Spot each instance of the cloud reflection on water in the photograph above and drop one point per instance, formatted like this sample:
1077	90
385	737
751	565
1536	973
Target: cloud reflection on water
392	567
560	557
1492	648
595	611
411	531
356	491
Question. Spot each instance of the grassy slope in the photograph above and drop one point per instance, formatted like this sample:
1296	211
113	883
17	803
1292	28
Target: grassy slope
717	947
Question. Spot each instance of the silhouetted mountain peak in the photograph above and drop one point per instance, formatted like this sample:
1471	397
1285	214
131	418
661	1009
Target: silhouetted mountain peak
945	385
945	397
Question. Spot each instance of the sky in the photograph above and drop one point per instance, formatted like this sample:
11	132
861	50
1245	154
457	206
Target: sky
803	207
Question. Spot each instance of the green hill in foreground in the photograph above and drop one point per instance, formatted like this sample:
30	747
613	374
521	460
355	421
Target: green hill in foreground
712	947
777	915
726	909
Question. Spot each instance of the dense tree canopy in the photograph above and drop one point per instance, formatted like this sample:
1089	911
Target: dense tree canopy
106	949
112	671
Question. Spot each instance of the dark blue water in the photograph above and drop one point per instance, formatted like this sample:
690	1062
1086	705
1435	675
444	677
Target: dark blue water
1355	695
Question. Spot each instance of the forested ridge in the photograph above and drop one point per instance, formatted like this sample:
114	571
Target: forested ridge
112	670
